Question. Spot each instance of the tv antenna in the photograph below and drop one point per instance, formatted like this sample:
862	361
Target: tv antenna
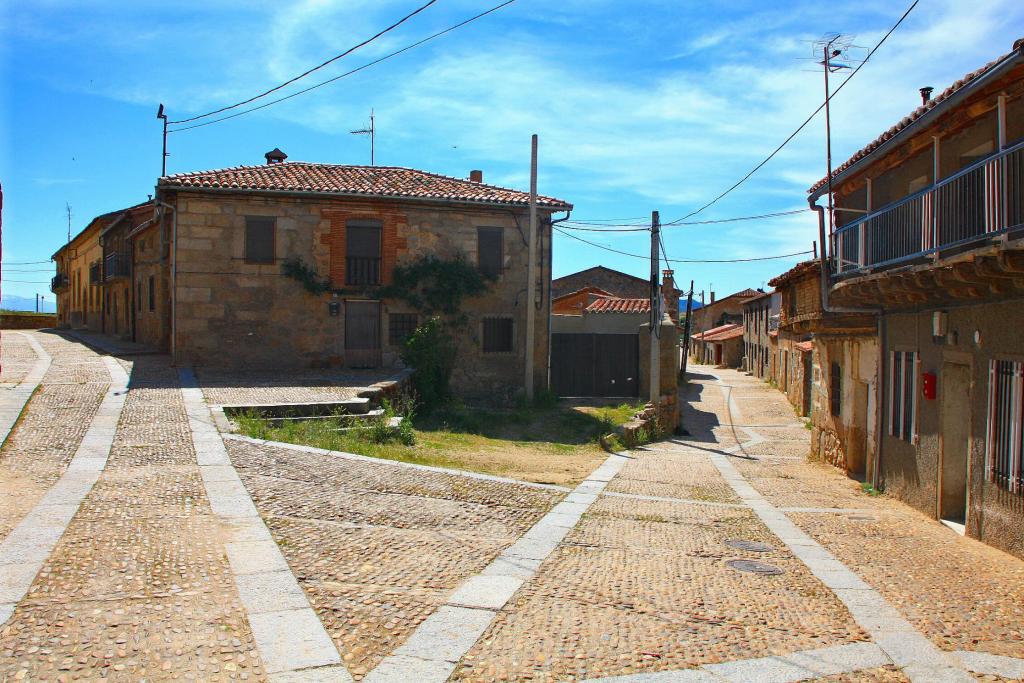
834	49
67	207
372	132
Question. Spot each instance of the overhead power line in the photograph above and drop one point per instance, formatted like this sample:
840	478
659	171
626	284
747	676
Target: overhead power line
309	71
682	260
349	73
804	124
627	227
24	263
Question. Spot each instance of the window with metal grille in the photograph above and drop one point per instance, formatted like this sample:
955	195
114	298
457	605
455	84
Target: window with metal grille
489	251
152	294
259	239
362	252
903	394
1004	465
400	326
835	390
497	335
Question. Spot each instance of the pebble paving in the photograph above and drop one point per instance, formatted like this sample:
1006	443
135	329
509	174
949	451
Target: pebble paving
16	357
52	426
377	548
138	588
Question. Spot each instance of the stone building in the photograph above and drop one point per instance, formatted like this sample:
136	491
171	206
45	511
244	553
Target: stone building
760	318
725	311
720	346
617	283
827	367
929	232
347	229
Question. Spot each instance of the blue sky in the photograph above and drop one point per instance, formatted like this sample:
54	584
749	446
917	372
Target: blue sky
639	106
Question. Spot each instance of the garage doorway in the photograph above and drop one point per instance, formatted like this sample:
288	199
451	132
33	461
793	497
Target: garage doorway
956	433
595	365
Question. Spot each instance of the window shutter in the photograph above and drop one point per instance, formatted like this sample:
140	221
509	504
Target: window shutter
497	335
489	251
259	239
993	385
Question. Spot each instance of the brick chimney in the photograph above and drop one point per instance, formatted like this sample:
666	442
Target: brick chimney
712	298
476	176
668	288
275	156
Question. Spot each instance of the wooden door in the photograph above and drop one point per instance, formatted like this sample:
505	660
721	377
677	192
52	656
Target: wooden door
362	334
955	388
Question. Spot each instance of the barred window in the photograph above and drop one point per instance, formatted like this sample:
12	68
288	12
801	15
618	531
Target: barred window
400	326
1003	463
497	335
903	394
259	239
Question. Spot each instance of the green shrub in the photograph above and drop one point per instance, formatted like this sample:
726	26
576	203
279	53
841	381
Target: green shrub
430	352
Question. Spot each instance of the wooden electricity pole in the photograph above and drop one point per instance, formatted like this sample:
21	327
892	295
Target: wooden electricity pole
686	331
531	271
655	310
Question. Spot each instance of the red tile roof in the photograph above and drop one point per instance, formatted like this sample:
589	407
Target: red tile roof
370	181
619	305
802	268
909	120
720	333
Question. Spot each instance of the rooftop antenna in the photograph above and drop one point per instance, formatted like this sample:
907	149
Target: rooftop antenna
833	49
372	132
163	158
67	207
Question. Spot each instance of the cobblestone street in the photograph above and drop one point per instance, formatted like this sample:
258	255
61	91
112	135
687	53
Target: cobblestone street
138	543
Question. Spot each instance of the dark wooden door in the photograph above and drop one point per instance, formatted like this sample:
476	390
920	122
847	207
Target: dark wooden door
595	364
362	334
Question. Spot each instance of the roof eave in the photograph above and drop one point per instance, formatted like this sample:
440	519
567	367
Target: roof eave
1008	62
359	195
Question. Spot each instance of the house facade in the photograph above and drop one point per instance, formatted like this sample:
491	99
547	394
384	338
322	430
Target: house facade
720	346
618	284
725	311
760	319
929	233
234	231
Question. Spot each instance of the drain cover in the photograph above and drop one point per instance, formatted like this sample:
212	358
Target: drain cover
752	546
755	567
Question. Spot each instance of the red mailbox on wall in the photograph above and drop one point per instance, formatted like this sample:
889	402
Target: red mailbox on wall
928	385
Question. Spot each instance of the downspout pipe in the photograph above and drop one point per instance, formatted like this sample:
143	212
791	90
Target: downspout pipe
174	276
880	331
551	276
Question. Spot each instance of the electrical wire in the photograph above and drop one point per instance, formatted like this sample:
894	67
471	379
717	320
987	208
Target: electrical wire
680	260
309	71
30	282
573	225
348	73
24	263
804	124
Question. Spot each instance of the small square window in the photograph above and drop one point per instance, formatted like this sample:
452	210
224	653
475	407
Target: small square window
400	326
259	239
497	335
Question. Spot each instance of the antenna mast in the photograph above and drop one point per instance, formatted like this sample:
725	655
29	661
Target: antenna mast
372	132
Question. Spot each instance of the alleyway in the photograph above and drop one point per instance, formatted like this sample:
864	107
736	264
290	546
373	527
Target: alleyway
136	542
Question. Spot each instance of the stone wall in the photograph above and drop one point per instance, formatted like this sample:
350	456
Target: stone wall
151	260
27	321
238	314
847	440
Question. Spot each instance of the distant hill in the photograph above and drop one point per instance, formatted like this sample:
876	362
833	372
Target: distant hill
11	302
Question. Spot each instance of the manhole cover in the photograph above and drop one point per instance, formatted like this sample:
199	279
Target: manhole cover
752	546
755	567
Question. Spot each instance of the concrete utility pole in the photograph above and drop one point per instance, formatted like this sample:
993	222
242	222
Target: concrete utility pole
655	309
531	270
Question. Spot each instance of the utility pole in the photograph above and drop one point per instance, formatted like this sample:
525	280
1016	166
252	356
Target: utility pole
531	270
686	330
163	157
372	132
655	310
67	207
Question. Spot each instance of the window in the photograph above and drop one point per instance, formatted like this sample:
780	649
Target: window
362	252
1005	439
400	326
138	295
259	239
903	394
152	294
835	391
497	335
489	251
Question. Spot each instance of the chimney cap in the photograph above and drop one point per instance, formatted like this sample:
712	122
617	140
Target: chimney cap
926	94
275	156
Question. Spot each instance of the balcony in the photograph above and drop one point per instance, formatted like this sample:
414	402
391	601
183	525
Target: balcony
982	201
116	265
362	270
59	283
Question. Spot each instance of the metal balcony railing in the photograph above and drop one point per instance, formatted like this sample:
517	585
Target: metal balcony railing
115	265
362	270
982	200
59	282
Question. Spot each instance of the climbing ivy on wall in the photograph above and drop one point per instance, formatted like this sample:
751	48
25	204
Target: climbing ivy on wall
298	270
435	286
